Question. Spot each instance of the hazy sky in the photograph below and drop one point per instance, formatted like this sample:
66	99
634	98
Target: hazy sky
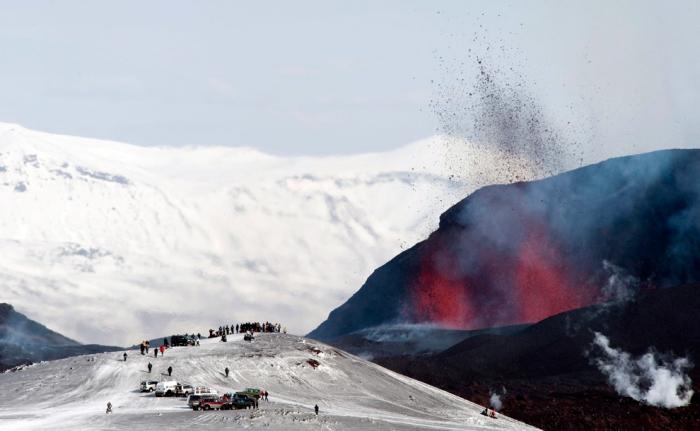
342	77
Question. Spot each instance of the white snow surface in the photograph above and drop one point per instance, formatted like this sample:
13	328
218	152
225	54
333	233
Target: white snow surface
100	240
351	393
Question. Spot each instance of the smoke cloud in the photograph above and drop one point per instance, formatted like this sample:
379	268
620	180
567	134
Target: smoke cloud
495	399
485	98
651	379
620	286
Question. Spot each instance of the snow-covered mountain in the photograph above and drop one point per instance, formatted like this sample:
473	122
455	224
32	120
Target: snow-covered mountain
112	243
352	394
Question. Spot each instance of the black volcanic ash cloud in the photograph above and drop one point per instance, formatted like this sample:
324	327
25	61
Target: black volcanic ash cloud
493	109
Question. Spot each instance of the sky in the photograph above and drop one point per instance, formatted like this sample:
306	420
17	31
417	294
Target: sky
334	77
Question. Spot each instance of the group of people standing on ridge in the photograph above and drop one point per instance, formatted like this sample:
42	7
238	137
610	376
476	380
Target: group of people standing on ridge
241	328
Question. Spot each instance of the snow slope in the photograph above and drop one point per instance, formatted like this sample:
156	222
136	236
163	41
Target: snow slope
101	239
351	393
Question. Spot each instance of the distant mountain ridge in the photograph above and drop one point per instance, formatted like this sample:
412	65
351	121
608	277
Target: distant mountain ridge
180	238
518	253
23	341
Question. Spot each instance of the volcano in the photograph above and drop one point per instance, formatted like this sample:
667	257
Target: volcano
519	253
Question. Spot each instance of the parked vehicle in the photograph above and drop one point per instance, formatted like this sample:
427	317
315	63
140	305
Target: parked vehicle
200	390
149	385
183	390
213	403
166	389
180	340
251	392
193	401
239	400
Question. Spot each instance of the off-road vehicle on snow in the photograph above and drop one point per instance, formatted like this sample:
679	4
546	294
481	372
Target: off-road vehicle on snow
251	393
166	389
248	337
240	400
183	390
213	403
149	385
180	340
201	390
193	401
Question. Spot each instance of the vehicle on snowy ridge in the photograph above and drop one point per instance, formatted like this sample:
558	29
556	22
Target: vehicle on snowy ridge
213	403
183	390
202	390
181	340
194	400
173	388
240	400
251	392
149	385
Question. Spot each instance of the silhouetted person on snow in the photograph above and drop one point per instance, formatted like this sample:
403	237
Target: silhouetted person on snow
316	409
109	407
124	356
150	366
170	371
226	371
155	352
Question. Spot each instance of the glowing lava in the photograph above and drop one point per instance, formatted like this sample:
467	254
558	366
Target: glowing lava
542	280
524	283
438	298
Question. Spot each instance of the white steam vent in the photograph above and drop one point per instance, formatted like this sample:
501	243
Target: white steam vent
653	379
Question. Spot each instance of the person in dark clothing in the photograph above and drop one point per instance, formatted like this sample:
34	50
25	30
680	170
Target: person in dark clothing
170	371
316	409
109	407
226	371
124	356
150	367
155	352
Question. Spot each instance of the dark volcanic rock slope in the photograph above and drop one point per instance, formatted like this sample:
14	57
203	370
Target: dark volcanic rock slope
549	367
23	340
522	252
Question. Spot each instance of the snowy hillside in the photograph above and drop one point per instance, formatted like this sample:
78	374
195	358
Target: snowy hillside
351	393
100	238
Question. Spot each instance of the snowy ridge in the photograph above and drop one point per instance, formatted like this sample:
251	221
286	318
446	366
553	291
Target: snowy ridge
102	239
351	393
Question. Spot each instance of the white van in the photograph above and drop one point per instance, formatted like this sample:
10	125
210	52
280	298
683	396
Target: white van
166	389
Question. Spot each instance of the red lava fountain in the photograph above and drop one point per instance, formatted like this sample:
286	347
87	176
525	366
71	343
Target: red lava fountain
534	282
441	300
542	282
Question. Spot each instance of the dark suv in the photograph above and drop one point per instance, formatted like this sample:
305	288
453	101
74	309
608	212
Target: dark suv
179	340
241	401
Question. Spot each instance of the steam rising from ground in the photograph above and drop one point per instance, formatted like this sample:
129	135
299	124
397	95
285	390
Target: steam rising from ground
495	399
620	286
651	378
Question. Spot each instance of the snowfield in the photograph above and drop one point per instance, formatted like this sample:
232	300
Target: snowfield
351	393
102	239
